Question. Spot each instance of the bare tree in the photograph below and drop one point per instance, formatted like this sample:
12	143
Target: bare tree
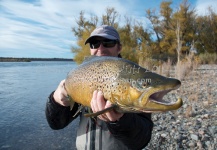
179	41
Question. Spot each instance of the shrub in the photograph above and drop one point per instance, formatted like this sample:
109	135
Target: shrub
208	58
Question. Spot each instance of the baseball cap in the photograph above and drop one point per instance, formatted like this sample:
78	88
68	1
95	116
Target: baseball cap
104	31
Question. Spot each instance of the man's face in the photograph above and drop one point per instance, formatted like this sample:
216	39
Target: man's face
104	50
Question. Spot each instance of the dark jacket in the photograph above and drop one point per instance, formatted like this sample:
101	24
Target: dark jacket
132	131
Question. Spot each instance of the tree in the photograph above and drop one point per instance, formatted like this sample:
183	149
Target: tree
186	17
165	25
179	41
110	17
129	34
167	28
128	40
207	32
82	32
84	29
171	33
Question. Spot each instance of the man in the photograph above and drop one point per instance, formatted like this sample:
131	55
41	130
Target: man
112	130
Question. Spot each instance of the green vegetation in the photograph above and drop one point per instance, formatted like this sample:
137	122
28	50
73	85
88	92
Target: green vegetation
173	33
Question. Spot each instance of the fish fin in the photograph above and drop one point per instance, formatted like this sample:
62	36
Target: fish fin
71	102
100	112
88	58
71	105
79	109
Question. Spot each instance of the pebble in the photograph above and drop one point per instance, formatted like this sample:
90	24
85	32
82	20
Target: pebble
207	143
206	116
163	135
185	106
212	129
191	144
198	131
194	137
206	103
199	144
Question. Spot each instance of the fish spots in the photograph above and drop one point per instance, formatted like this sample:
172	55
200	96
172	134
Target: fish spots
122	82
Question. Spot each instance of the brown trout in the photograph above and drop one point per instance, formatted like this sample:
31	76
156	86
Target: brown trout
128	86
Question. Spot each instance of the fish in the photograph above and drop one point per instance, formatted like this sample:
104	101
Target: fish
129	87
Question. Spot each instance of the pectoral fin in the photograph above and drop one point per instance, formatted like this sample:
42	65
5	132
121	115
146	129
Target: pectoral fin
100	112
79	110
71	102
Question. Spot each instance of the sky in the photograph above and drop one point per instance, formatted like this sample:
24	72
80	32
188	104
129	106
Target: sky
42	28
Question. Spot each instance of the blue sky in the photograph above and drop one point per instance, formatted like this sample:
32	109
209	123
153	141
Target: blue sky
42	28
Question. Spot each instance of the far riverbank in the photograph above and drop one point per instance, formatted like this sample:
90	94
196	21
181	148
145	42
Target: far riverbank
12	59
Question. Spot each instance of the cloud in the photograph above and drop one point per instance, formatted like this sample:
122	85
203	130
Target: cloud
203	5
44	26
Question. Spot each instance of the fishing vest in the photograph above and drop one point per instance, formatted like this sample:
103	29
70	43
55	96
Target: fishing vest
93	134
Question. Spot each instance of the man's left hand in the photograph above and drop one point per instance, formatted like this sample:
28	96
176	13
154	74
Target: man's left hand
98	103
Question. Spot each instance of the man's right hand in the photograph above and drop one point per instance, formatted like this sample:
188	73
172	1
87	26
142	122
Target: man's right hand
60	95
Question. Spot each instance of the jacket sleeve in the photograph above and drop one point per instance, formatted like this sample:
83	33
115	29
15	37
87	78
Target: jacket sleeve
59	116
134	130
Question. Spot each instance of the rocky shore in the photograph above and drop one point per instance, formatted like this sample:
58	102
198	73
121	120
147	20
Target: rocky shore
194	125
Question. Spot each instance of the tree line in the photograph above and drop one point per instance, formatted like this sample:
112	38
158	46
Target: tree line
172	33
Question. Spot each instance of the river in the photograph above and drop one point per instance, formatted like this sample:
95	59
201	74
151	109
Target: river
24	88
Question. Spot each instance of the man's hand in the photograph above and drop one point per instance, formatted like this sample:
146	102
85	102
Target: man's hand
60	95
98	103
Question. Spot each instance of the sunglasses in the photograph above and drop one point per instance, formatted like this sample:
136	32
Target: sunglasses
106	43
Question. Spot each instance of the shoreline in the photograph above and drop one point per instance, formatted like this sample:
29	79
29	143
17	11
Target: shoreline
194	125
12	59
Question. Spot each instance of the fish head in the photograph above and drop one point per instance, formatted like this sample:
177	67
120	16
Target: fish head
147	89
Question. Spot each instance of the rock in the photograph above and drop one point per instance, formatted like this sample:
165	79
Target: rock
206	103
199	145
158	128
194	137
198	131
163	135
184	141
207	143
205	138
201	131
191	131
212	130
189	123
199	119
206	116
177	137
191	144
185	106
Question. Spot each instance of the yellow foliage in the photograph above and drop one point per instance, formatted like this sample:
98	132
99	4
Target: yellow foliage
138	43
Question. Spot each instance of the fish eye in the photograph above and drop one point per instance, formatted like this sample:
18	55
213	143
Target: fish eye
144	84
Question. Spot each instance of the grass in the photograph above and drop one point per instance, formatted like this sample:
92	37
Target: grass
208	58
193	81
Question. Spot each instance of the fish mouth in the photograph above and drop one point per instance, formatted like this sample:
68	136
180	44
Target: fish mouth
156	103
158	97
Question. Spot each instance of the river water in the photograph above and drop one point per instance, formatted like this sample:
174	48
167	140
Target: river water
24	88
